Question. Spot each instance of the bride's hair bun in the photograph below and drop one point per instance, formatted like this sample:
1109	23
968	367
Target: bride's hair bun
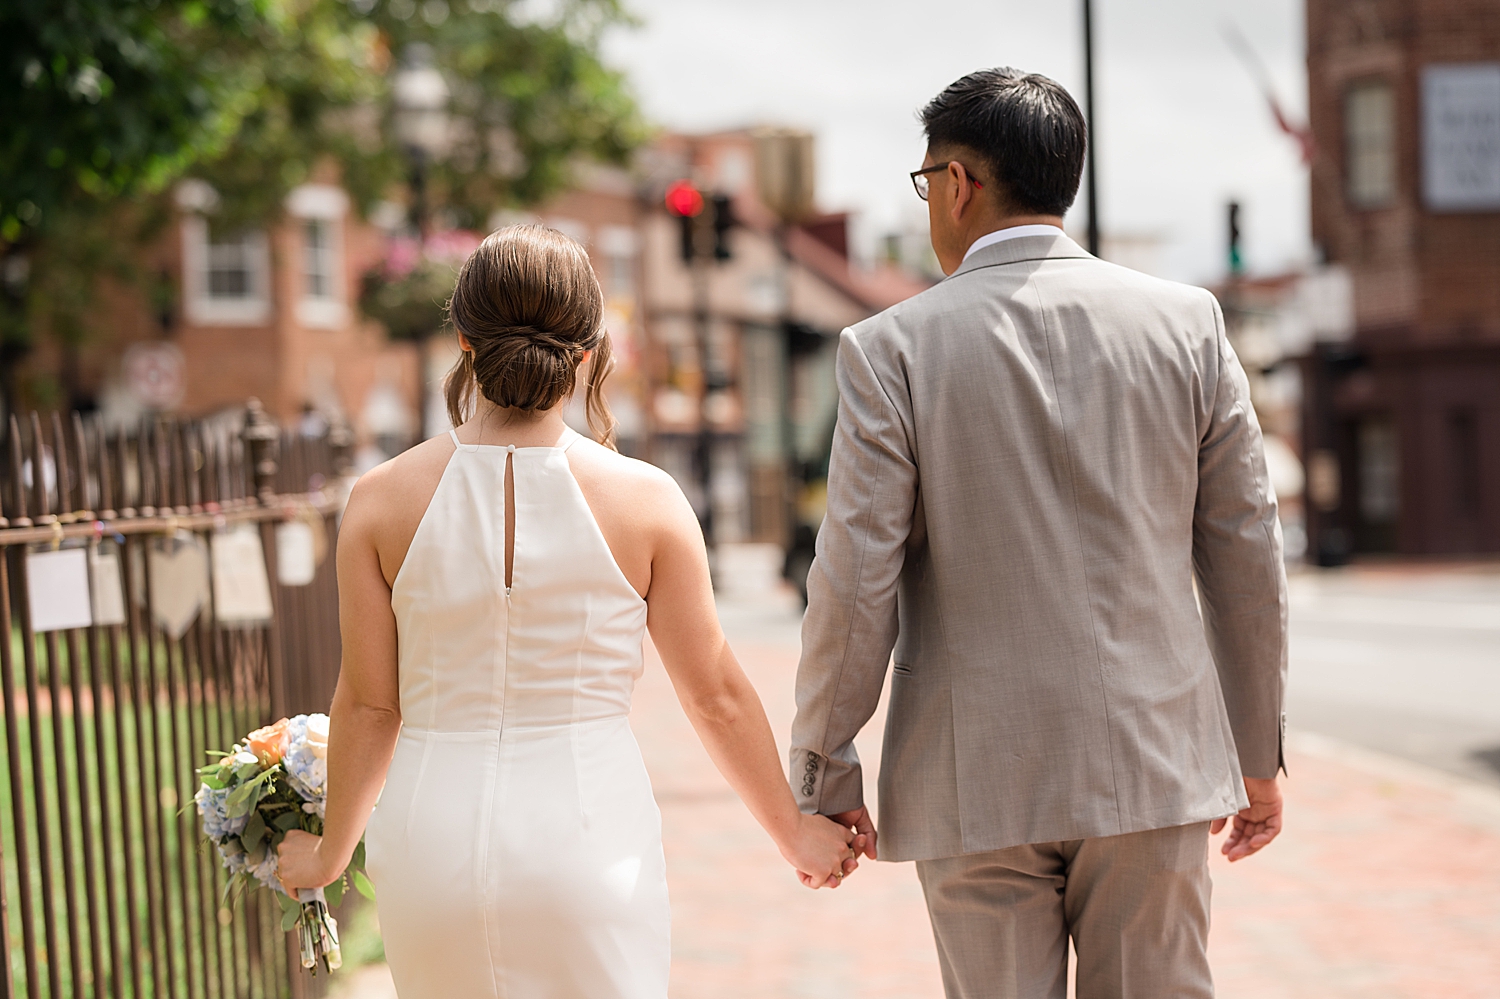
530	307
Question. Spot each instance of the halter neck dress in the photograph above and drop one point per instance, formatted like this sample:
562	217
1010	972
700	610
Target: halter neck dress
516	850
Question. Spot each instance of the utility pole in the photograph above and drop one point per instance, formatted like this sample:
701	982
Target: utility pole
705	226
1090	185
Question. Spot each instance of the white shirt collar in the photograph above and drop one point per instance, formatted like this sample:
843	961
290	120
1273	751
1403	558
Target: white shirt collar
1014	232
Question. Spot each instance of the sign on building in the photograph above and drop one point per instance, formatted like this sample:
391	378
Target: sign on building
1461	136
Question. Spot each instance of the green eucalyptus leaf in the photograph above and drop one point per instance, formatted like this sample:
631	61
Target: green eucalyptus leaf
334	892
255	829
359	856
289	916
362	884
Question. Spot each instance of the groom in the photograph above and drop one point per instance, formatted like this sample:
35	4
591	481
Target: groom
1034	462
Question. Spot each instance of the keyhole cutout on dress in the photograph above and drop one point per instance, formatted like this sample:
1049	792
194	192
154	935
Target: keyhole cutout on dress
510	517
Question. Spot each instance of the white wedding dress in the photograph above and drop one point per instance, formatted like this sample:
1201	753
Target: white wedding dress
516	850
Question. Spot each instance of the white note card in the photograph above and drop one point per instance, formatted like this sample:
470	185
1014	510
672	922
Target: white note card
108	591
242	593
57	588
296	562
179	581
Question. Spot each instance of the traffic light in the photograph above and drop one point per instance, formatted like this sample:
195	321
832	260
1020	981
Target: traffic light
723	222
687	203
1236	263
684	201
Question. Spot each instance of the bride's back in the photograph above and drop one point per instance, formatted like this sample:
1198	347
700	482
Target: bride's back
516	847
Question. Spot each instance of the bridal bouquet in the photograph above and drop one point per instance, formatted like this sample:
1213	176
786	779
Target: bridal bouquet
273	781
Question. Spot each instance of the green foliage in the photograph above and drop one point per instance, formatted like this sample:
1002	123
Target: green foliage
108	98
107	102
528	97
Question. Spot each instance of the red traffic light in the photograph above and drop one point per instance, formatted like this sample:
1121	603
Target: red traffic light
683	200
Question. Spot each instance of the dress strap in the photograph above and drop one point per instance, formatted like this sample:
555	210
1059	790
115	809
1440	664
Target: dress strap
456	442
569	438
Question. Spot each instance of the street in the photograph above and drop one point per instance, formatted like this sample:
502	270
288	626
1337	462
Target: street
1385	885
1404	660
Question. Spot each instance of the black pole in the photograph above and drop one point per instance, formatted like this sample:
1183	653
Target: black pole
703	449
1091	188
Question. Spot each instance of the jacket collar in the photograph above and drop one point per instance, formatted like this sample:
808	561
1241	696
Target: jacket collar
1013	251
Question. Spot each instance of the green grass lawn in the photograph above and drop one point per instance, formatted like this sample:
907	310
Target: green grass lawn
136	859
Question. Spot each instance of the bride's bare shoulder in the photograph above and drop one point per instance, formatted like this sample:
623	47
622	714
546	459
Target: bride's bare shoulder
401	487
626	484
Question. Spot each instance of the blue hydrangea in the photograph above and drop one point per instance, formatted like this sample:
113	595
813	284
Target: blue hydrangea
305	764
217	823
237	861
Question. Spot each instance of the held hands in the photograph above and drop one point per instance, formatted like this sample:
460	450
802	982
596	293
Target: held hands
1256	826
300	863
823	851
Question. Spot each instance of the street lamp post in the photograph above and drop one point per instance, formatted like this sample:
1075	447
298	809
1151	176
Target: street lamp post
1090	185
420	95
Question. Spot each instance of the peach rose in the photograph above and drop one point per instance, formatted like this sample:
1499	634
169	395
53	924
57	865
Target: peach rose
269	743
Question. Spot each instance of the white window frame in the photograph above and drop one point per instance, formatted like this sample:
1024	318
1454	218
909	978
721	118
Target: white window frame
1370	148
204	309
619	247
330	205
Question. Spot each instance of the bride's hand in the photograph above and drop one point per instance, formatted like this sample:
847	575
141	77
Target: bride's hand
300	863
822	851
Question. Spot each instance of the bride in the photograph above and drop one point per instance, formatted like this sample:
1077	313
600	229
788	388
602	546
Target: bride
495	586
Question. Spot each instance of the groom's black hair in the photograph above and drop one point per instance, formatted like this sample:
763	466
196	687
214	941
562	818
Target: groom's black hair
1026	128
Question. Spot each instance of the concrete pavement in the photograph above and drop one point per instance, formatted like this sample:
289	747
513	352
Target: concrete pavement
1402	658
1386	884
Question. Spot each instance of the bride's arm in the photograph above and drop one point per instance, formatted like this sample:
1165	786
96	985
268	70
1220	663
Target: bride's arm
366	714
720	701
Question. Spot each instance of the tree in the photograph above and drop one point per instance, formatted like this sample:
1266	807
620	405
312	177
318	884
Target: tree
107	102
103	101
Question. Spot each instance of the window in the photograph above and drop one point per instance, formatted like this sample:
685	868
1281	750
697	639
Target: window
1463	436
1379	471
232	272
319	211
226	274
1370	144
617	246
317	258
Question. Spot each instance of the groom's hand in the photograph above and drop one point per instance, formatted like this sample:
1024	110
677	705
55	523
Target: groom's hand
859	821
1254	827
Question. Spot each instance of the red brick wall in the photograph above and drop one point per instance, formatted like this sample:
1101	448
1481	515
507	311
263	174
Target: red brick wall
1433	277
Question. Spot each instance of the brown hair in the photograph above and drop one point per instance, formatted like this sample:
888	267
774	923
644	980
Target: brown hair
529	304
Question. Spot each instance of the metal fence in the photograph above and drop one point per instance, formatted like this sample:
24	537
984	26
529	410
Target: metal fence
138	634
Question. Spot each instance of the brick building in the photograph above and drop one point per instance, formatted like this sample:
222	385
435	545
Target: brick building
1401	419
724	366
726	378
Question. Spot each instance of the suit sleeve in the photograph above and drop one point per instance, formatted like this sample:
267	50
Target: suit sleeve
1238	563
850	627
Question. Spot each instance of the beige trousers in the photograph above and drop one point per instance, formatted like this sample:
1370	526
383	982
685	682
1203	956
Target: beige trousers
1136	907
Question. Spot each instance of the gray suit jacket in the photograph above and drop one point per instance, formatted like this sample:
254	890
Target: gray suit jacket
1033	462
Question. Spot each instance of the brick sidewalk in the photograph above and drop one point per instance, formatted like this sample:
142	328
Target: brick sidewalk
1386	884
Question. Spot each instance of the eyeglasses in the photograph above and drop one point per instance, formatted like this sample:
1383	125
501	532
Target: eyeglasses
919	178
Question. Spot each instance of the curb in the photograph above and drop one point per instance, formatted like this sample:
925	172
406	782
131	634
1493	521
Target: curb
1479	801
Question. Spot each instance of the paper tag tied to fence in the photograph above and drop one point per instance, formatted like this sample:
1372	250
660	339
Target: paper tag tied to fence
57	589
179	581
106	584
296	553
242	592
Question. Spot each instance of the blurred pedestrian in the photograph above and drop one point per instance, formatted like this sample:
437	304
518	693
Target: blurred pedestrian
1034	461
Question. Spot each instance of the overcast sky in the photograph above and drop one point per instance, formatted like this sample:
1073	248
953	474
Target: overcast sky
1182	127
